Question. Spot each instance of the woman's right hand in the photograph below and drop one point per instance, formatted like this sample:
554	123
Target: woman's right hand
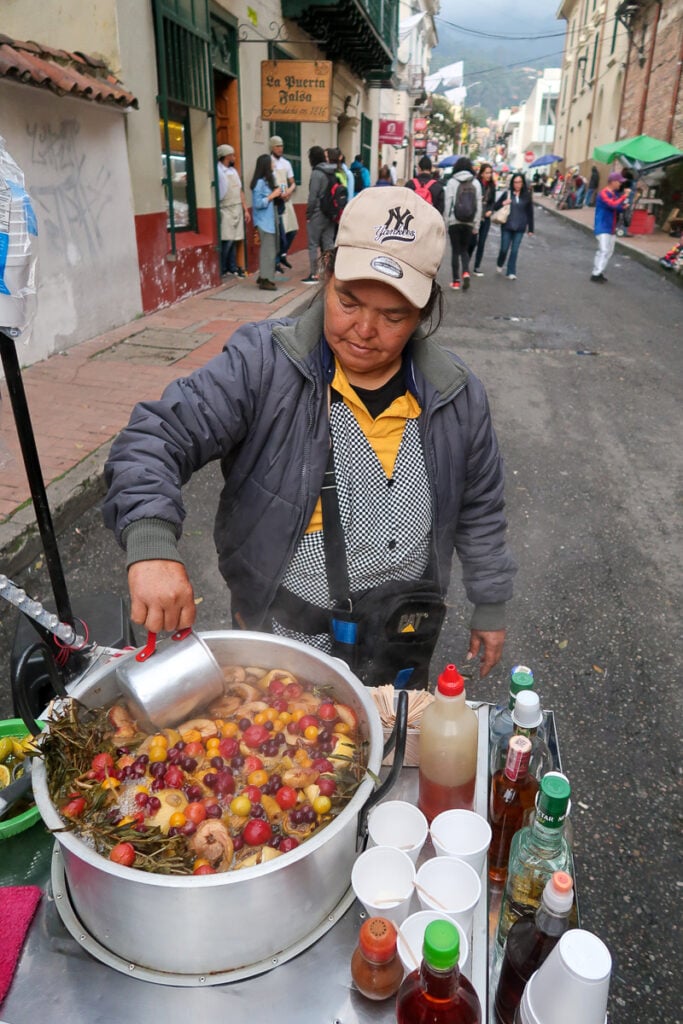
161	595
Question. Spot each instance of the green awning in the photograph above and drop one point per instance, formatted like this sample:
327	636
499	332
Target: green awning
643	149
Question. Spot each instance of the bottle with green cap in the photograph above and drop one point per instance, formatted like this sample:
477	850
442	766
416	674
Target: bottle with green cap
536	852
501	725
438	993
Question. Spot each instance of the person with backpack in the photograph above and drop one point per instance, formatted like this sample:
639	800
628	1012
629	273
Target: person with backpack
520	218
463	213
320	228
361	175
427	186
488	198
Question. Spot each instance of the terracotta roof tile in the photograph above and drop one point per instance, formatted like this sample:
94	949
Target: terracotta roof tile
64	73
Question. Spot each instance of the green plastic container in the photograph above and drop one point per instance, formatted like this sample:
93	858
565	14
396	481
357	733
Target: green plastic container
11	826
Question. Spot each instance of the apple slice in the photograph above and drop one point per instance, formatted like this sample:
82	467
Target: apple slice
347	715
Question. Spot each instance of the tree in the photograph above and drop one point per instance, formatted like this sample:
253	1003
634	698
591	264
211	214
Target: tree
442	126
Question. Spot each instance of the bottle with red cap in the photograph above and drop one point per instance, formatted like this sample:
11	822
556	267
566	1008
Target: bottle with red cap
448	748
376	968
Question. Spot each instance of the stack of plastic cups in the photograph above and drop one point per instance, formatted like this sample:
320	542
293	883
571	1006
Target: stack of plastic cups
571	985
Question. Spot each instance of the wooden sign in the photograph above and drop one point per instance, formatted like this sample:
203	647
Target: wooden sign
296	90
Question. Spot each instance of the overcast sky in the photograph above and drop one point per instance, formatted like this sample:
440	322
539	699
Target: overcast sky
530	17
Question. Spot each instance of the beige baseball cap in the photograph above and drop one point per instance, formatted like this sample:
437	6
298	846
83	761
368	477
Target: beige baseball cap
276	140
394	236
224	150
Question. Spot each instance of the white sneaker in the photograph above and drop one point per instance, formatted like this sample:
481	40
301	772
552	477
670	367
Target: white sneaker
499	270
512	277
478	273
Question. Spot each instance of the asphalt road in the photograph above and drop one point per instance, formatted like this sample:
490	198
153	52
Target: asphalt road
584	382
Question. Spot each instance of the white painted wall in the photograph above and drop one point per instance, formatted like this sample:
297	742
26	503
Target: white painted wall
74	158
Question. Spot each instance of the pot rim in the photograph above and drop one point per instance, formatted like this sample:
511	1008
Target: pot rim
72	842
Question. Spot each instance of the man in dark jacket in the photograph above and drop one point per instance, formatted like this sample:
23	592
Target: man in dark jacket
320	228
427	181
355	380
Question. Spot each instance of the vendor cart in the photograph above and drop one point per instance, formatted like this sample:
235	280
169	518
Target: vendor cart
65	974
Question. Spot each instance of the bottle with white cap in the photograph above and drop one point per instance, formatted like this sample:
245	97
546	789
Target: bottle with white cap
530	942
500	718
527	719
571	986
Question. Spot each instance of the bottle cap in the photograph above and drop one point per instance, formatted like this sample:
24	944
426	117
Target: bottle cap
527	712
552	802
377	939
558	894
441	947
451	683
521	678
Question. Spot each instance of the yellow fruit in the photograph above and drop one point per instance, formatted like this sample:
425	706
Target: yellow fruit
110	783
5	748
322	804
18	750
157	753
177	820
4	776
229	729
240	805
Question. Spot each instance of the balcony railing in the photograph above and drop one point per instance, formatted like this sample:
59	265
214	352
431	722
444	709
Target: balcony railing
363	33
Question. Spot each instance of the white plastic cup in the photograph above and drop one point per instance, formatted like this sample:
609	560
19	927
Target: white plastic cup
572	984
399	824
450	885
462	834
383	880
411	939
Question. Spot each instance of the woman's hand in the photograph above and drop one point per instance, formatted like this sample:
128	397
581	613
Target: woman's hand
492	642
161	595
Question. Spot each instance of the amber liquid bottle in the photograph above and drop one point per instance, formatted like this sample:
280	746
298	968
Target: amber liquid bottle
449	734
376	968
438	993
513	793
529	943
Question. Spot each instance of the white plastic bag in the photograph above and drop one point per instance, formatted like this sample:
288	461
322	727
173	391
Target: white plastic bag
18	250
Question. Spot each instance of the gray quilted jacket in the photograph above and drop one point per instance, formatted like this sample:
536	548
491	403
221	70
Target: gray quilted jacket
261	408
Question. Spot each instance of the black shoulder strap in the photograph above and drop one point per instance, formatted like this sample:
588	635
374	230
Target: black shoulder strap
333	533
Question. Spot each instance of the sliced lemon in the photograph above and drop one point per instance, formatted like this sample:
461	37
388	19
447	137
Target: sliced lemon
4	776
5	748
18	750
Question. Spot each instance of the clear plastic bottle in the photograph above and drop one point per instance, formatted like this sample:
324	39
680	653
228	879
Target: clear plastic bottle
530	941
527	719
536	851
437	993
449	735
376	968
513	792
500	719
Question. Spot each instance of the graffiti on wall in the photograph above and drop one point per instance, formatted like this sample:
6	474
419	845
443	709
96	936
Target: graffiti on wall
77	188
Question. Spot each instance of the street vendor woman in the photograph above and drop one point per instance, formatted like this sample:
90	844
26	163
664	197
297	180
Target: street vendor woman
353	394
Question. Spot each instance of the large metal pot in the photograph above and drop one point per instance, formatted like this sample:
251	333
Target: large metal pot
220	923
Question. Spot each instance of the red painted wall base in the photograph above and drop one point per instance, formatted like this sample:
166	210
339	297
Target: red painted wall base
164	280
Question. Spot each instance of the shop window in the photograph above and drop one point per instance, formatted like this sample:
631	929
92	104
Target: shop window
595	55
178	176
614	36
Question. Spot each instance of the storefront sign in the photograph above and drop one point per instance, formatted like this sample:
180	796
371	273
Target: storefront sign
296	90
419	143
529	156
420	124
391	133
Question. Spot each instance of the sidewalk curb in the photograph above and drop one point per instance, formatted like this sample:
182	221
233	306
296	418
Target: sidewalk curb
635	254
73	493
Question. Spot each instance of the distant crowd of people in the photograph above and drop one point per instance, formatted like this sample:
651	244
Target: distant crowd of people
469	200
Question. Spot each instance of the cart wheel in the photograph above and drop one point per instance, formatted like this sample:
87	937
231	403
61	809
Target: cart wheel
620	232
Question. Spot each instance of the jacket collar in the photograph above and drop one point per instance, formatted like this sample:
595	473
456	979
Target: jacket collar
302	338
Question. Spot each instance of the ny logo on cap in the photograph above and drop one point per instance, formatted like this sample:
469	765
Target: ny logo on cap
396	228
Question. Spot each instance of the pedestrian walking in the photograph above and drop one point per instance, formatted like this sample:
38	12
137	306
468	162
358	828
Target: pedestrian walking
488	202
611	200
427	186
286	214
320	228
233	210
264	192
463	214
354	392
520	220
384	176
361	175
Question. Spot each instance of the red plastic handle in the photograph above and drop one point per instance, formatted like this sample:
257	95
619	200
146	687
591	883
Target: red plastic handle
182	633
149	648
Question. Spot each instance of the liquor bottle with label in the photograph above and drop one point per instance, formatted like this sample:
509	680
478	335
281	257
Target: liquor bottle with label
527	719
513	793
536	851
438	993
449	734
530	941
500	719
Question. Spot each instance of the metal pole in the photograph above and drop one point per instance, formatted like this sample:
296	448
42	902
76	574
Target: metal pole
22	418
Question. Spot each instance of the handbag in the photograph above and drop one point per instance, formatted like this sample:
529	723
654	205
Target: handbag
500	216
